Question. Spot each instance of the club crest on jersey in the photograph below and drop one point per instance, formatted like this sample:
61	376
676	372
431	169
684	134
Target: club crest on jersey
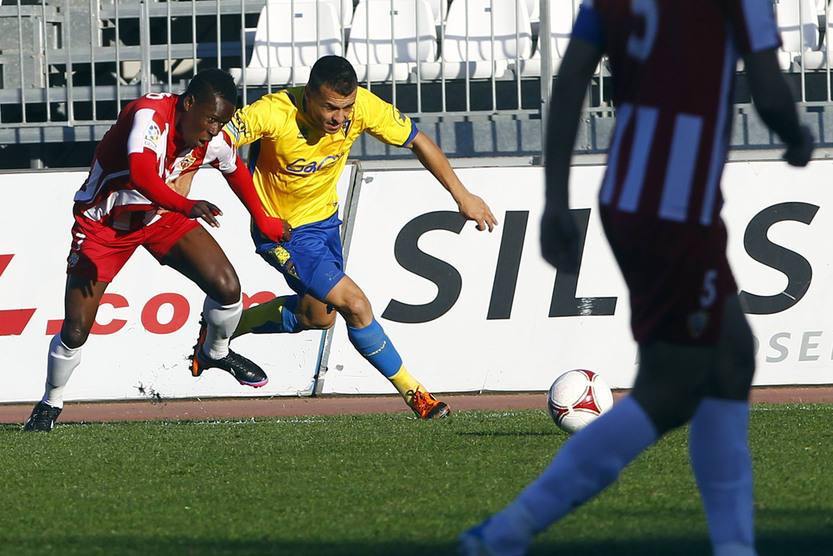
152	135
186	162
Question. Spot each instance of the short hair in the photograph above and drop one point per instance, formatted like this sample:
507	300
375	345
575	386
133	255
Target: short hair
212	82
335	72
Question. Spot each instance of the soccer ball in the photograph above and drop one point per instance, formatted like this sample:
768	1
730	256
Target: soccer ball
578	397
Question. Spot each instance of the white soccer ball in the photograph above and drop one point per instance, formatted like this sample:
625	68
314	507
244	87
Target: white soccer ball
578	397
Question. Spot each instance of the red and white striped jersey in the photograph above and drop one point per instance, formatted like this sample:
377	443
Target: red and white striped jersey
673	64
147	123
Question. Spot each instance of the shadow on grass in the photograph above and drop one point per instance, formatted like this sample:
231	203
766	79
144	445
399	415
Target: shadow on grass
780	545
798	545
506	433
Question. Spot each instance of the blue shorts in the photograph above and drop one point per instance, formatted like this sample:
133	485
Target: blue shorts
311	262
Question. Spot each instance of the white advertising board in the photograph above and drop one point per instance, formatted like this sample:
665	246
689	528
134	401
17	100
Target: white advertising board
148	321
472	311
467	310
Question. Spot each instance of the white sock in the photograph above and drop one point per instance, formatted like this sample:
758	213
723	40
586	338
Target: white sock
585	465
723	468
60	364
222	321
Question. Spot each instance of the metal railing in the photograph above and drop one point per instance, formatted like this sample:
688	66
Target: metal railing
75	62
68	66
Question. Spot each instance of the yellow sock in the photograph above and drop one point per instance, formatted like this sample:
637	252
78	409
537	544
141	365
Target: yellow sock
406	384
274	316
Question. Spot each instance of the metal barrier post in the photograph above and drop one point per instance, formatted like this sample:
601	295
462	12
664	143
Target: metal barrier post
67	35
144	43
545	46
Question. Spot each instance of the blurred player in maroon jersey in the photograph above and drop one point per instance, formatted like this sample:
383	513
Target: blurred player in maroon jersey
129	199
673	66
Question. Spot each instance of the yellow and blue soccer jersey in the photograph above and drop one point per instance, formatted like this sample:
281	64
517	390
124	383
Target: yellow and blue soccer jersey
298	166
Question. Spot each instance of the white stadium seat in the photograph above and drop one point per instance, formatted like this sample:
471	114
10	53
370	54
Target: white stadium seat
469	35
797	22
438	10
562	15
289	38
533	8
377	57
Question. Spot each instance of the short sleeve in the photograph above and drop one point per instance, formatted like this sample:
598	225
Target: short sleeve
222	150
588	25
262	118
383	120
753	25
146	133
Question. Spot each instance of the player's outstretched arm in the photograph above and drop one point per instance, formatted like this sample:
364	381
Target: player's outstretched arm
774	102
434	160
559	235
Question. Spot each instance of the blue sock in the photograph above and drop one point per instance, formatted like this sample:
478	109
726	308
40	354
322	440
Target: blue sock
374	345
288	318
723	468
585	465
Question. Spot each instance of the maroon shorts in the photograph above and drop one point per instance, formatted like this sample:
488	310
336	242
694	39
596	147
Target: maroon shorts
99	252
677	274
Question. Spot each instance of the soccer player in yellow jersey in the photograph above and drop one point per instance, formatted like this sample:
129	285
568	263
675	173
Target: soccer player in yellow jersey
305	135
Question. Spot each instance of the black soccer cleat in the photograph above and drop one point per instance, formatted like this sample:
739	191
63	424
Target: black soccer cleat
246	371
43	418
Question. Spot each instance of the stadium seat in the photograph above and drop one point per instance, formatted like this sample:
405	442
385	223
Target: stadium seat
466	47
797	22
289	38
438	10
344	12
379	57
533	8
562	15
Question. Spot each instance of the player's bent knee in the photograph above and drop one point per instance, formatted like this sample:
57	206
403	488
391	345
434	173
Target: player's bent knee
225	286
357	309
317	322
74	334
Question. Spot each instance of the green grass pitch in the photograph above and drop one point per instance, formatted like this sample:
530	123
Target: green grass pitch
380	484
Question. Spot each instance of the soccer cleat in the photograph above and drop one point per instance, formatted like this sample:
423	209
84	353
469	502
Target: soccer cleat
43	418
196	370
246	371
427	406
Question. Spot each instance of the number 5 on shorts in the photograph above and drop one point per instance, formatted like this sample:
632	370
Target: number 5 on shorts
709	289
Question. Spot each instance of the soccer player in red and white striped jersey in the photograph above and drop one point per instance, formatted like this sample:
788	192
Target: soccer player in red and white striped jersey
129	200
673	64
